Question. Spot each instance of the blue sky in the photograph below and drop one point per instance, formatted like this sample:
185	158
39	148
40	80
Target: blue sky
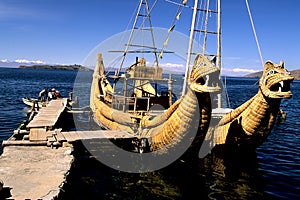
66	31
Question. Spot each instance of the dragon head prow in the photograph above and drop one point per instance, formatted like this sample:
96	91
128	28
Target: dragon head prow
275	81
205	76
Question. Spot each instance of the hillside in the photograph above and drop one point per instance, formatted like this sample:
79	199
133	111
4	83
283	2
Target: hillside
295	73
60	67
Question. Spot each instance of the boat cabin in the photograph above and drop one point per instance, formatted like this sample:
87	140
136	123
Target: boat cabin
141	89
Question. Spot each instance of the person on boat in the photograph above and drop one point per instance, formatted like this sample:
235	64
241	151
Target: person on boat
43	95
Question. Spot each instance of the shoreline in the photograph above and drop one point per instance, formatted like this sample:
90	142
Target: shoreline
56	67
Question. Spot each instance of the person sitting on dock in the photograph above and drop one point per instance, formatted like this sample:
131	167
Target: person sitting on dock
54	94
57	94
51	94
43	95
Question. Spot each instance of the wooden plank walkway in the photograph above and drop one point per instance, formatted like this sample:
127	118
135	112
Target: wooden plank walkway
37	134
100	134
72	136
48	115
39	137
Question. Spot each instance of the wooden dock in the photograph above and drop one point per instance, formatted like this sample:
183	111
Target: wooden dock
48	116
39	137
33	170
36	172
36	160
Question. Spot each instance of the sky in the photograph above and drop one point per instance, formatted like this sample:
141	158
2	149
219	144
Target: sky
67	31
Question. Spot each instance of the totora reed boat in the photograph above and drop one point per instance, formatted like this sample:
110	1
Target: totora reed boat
157	120
200	119
243	129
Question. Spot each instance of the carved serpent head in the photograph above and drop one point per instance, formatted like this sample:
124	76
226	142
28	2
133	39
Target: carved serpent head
275	81
205	75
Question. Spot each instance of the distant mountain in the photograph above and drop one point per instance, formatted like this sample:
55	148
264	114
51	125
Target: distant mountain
295	73
61	67
18	62
254	75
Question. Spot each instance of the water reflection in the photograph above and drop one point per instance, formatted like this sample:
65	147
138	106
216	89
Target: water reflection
223	174
220	175
234	175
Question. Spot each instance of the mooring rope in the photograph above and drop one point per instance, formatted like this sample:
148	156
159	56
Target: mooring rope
253	28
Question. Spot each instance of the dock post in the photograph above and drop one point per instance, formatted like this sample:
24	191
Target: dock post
71	96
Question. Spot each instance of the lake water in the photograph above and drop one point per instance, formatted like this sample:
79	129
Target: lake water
272	173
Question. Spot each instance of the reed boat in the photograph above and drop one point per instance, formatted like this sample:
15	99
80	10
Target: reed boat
157	120
159	123
244	128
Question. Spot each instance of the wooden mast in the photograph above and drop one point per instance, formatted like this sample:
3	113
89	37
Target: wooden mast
219	48
205	31
188	60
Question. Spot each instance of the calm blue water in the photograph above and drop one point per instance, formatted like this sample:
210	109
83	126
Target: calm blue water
274	173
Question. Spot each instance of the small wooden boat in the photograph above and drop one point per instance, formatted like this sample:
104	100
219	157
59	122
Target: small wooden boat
30	102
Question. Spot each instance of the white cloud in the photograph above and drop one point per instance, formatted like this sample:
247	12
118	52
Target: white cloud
18	62
172	65
24	61
237	71
177	67
4	61
244	70
168	65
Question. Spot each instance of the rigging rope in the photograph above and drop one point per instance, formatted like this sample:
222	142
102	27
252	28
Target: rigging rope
205	27
176	18
131	36
253	28
200	23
